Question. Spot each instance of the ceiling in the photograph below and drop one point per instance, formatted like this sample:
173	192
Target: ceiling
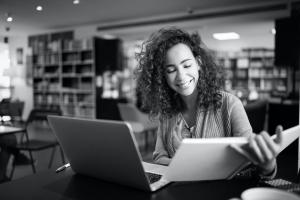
253	18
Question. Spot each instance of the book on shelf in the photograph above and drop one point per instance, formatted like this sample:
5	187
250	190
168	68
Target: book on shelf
242	63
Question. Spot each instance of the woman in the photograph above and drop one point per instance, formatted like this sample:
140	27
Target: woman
180	82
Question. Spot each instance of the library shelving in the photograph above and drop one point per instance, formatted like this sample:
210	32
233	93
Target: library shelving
254	69
65	74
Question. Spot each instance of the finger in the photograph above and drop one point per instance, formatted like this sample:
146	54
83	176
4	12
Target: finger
249	148
270	143
244	153
278	132
264	149
253	145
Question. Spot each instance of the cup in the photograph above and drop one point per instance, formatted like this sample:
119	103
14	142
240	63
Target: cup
264	193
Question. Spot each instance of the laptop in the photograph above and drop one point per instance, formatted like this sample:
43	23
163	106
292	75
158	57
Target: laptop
107	150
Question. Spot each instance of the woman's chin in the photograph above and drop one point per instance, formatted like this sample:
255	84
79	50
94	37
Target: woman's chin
186	93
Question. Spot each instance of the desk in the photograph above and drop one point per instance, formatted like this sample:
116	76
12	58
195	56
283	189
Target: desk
6	130
67	185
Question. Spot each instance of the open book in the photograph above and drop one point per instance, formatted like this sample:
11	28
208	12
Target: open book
213	158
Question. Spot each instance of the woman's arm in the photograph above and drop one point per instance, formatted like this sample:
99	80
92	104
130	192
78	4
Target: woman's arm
240	125
160	154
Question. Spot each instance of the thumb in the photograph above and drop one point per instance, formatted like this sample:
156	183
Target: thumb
278	132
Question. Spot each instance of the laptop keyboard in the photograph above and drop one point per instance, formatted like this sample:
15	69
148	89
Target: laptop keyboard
153	177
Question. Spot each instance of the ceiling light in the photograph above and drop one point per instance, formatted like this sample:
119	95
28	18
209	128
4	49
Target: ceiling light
76	1
39	8
226	36
108	36
9	19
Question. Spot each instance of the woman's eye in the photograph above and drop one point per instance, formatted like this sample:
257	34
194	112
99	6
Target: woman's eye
187	66
170	70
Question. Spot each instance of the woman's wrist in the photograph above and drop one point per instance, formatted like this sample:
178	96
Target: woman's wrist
269	172
268	168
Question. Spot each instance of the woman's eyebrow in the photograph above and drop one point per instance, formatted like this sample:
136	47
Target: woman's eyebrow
183	61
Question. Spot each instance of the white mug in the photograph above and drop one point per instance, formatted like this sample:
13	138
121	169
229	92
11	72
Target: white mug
264	193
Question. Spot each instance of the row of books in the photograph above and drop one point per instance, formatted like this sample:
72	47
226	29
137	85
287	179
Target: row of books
40	47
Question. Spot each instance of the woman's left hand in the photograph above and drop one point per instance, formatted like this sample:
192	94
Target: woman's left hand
262	150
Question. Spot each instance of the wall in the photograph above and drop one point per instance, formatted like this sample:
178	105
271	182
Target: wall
22	89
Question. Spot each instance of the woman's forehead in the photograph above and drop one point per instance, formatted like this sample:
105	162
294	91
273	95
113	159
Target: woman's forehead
178	53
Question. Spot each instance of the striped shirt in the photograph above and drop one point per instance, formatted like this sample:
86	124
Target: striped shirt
230	120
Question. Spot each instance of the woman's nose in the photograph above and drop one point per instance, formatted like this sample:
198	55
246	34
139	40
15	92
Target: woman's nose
180	74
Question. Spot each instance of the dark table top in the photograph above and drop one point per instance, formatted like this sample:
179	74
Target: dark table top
67	185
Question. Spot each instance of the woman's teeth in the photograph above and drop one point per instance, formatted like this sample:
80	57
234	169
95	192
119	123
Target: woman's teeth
185	84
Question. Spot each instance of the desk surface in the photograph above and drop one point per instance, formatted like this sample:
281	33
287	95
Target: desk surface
67	185
4	130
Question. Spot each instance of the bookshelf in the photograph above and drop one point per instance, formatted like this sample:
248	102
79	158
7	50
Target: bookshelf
253	69
66	73
263	74
64	77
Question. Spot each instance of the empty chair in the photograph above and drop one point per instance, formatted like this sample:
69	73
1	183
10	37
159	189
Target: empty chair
36	144
11	112
16	111
139	121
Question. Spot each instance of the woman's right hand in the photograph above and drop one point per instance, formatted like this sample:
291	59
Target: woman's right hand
262	150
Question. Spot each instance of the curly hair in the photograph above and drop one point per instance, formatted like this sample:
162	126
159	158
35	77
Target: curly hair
157	97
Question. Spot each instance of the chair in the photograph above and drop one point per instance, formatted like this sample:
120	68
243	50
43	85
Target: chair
139	121
256	112
31	145
11	112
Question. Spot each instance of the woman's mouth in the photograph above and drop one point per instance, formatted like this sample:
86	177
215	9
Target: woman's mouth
184	85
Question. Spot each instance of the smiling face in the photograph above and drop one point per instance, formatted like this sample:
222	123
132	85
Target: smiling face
182	70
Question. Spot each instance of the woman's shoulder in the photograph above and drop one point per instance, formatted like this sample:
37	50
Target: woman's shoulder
230	102
229	97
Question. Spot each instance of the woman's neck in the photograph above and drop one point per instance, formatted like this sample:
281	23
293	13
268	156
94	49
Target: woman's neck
189	115
190	101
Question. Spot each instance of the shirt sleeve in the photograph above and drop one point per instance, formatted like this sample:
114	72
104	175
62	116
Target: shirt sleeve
240	124
160	154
